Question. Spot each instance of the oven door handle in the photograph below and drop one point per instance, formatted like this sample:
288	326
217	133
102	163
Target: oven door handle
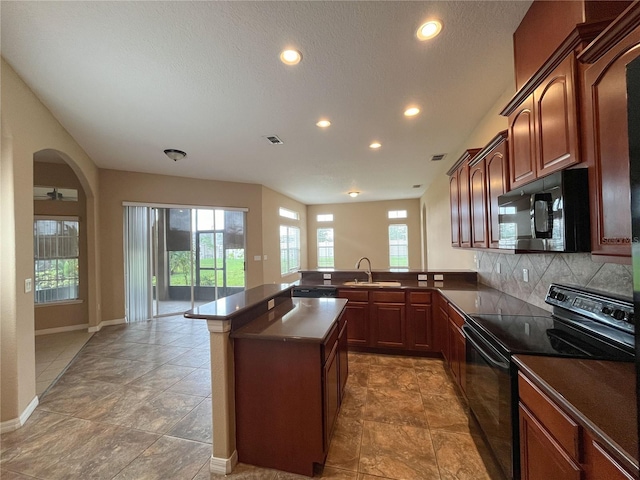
483	353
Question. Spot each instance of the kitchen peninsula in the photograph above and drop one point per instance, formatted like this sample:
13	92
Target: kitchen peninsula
265	345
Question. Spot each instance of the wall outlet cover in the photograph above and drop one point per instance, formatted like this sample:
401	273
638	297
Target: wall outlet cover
326	276
422	276
27	285
257	258
525	274
270	304
498	267
438	276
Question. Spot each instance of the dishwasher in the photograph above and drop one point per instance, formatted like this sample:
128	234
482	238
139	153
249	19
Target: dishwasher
319	291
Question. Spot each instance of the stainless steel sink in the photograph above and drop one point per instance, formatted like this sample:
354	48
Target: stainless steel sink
374	284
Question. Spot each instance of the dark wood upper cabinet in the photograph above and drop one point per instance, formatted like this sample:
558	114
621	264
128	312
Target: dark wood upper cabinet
454	201
522	141
478	193
557	120
497	166
605	138
464	194
460	200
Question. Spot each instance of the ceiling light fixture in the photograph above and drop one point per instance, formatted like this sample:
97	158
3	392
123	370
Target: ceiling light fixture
290	57
375	145
429	30
323	123
354	194
411	112
174	154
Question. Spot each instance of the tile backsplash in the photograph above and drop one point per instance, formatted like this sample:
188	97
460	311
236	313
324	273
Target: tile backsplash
545	268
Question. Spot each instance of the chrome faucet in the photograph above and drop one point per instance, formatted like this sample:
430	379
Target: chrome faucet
369	276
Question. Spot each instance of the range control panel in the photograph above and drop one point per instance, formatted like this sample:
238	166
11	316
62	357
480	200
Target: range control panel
597	306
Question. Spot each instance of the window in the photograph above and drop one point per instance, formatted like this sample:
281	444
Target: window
289	214
289	249
326	217
398	246
325	247
397	214
55	243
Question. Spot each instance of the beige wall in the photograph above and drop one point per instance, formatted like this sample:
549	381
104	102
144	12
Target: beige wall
28	127
361	229
435	201
271	221
62	176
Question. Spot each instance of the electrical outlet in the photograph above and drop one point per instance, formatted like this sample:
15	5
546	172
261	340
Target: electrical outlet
257	258
27	285
270	304
326	276
498	267
265	257
525	274
475	260
422	277
438	277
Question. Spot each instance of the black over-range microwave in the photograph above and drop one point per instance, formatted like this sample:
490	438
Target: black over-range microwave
550	214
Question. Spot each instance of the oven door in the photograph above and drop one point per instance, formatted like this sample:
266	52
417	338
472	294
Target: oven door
489	393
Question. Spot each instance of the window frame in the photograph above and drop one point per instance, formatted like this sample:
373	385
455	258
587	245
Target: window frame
332	247
288	249
397	246
60	280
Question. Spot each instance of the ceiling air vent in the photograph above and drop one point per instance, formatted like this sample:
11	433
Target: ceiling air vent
274	140
438	157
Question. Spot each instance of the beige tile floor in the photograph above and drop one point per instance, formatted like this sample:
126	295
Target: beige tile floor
136	404
53	354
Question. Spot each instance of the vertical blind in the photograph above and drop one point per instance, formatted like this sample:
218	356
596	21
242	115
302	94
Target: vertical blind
137	264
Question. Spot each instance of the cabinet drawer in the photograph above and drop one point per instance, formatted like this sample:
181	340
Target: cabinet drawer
419	297
564	430
388	297
455	316
354	295
330	343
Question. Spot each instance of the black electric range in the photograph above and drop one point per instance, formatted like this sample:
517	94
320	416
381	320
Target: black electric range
583	324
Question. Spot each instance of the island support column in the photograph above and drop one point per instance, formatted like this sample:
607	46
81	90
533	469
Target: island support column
223	410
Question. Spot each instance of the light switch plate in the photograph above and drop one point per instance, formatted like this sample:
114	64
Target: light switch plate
257	258
326	276
265	257
525	274
438	277
27	285
422	276
498	267
270	304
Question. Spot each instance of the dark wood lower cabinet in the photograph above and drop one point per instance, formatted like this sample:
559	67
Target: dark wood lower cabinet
540	456
389	320
287	399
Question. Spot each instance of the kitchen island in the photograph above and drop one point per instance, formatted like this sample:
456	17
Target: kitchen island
262	340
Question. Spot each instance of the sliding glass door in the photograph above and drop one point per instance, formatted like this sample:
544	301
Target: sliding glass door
196	255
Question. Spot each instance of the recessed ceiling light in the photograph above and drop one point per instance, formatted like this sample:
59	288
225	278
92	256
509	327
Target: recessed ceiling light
429	30
290	57
375	145
354	194
323	123
411	112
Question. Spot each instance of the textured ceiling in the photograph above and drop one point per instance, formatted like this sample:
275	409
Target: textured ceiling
130	79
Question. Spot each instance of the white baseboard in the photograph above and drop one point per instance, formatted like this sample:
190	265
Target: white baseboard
14	424
106	323
223	466
69	328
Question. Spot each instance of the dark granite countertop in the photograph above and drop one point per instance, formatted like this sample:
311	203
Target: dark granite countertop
300	319
600	395
228	307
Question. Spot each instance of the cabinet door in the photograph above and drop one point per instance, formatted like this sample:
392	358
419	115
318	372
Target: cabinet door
421	325
331	389
522	145
343	358
465	205
607	149
557	120
454	200
389	325
357	317
497	184
478	194
457	361
441	327
541	458
600	465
